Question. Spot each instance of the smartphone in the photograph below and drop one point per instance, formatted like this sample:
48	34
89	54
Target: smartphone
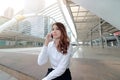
51	36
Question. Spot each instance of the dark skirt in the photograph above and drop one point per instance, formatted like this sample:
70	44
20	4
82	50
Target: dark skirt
65	76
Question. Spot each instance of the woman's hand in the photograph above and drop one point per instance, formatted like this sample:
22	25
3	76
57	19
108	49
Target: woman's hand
48	39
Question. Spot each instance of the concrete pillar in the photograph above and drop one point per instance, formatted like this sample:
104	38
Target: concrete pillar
101	34
118	42
105	41
91	38
15	38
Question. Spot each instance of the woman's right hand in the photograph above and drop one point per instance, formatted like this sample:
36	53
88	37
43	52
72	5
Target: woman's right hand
48	39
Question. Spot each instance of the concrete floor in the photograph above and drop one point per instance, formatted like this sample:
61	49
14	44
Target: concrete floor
87	63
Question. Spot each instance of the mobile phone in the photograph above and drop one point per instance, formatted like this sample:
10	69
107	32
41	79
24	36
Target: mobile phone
51	36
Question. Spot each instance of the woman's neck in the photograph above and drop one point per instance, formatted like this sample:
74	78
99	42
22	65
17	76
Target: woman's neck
56	41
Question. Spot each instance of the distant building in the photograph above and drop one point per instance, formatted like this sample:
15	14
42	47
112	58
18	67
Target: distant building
37	26
47	26
9	13
25	27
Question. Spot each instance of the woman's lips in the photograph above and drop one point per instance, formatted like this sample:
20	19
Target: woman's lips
54	34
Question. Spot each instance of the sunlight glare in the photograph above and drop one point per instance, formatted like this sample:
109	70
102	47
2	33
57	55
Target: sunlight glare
49	2
17	5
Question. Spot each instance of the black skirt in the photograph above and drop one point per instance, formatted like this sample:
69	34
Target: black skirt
65	76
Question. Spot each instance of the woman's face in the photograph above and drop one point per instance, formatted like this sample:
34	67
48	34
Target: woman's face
56	32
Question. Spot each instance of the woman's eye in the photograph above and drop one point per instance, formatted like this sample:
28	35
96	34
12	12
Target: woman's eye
57	29
52	29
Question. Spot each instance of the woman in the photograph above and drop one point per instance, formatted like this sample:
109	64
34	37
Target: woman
58	51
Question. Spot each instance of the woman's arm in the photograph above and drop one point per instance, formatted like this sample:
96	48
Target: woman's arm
43	56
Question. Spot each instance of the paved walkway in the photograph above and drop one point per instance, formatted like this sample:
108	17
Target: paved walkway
86	64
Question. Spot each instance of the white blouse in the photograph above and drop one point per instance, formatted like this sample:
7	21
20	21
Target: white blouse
59	61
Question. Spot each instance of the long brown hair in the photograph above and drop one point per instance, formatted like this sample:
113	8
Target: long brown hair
64	40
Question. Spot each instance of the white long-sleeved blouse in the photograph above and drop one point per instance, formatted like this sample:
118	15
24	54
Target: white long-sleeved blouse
59	62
